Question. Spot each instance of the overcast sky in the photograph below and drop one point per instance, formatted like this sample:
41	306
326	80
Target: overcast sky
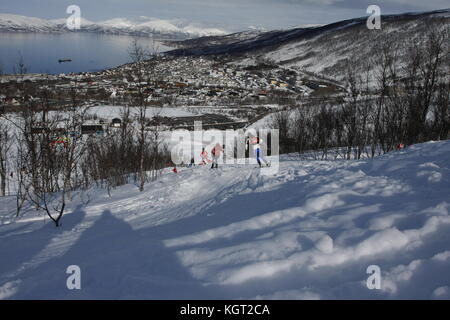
232	15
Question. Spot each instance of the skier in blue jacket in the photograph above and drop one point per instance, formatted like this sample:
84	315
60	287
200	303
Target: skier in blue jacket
255	142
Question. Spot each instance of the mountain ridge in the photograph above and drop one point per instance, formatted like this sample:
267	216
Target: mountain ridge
308	30
141	26
323	50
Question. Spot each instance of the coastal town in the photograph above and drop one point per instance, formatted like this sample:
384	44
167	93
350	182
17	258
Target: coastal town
169	81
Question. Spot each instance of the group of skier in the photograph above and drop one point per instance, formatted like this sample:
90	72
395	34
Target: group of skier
217	150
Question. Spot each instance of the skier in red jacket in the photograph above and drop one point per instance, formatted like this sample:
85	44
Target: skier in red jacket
204	156
215	152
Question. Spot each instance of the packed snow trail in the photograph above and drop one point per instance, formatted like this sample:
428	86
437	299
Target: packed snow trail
307	232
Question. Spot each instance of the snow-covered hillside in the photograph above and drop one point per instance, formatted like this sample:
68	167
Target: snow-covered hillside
318	49
171	29
307	232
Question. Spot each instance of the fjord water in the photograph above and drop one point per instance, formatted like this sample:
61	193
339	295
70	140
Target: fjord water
89	52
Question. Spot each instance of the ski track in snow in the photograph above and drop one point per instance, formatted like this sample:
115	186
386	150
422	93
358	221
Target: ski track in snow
307	232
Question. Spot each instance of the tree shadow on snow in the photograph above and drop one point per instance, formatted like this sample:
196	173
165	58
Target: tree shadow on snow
18	248
116	262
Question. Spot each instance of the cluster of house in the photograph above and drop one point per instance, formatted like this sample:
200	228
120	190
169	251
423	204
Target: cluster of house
62	135
186	80
191	80
15	100
12	101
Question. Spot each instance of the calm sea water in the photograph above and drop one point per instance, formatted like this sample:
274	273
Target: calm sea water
88	51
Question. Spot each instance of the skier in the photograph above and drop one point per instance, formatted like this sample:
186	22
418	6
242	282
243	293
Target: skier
400	146
204	156
192	163
256	143
215	152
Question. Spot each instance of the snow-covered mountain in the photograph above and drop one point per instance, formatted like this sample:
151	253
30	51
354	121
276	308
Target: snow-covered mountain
16	23
319	49
308	231
143	26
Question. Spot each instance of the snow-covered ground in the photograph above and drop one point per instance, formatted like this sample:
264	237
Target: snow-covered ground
308	231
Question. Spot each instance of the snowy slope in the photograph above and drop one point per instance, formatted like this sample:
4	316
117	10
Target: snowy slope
321	50
307	232
172	29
